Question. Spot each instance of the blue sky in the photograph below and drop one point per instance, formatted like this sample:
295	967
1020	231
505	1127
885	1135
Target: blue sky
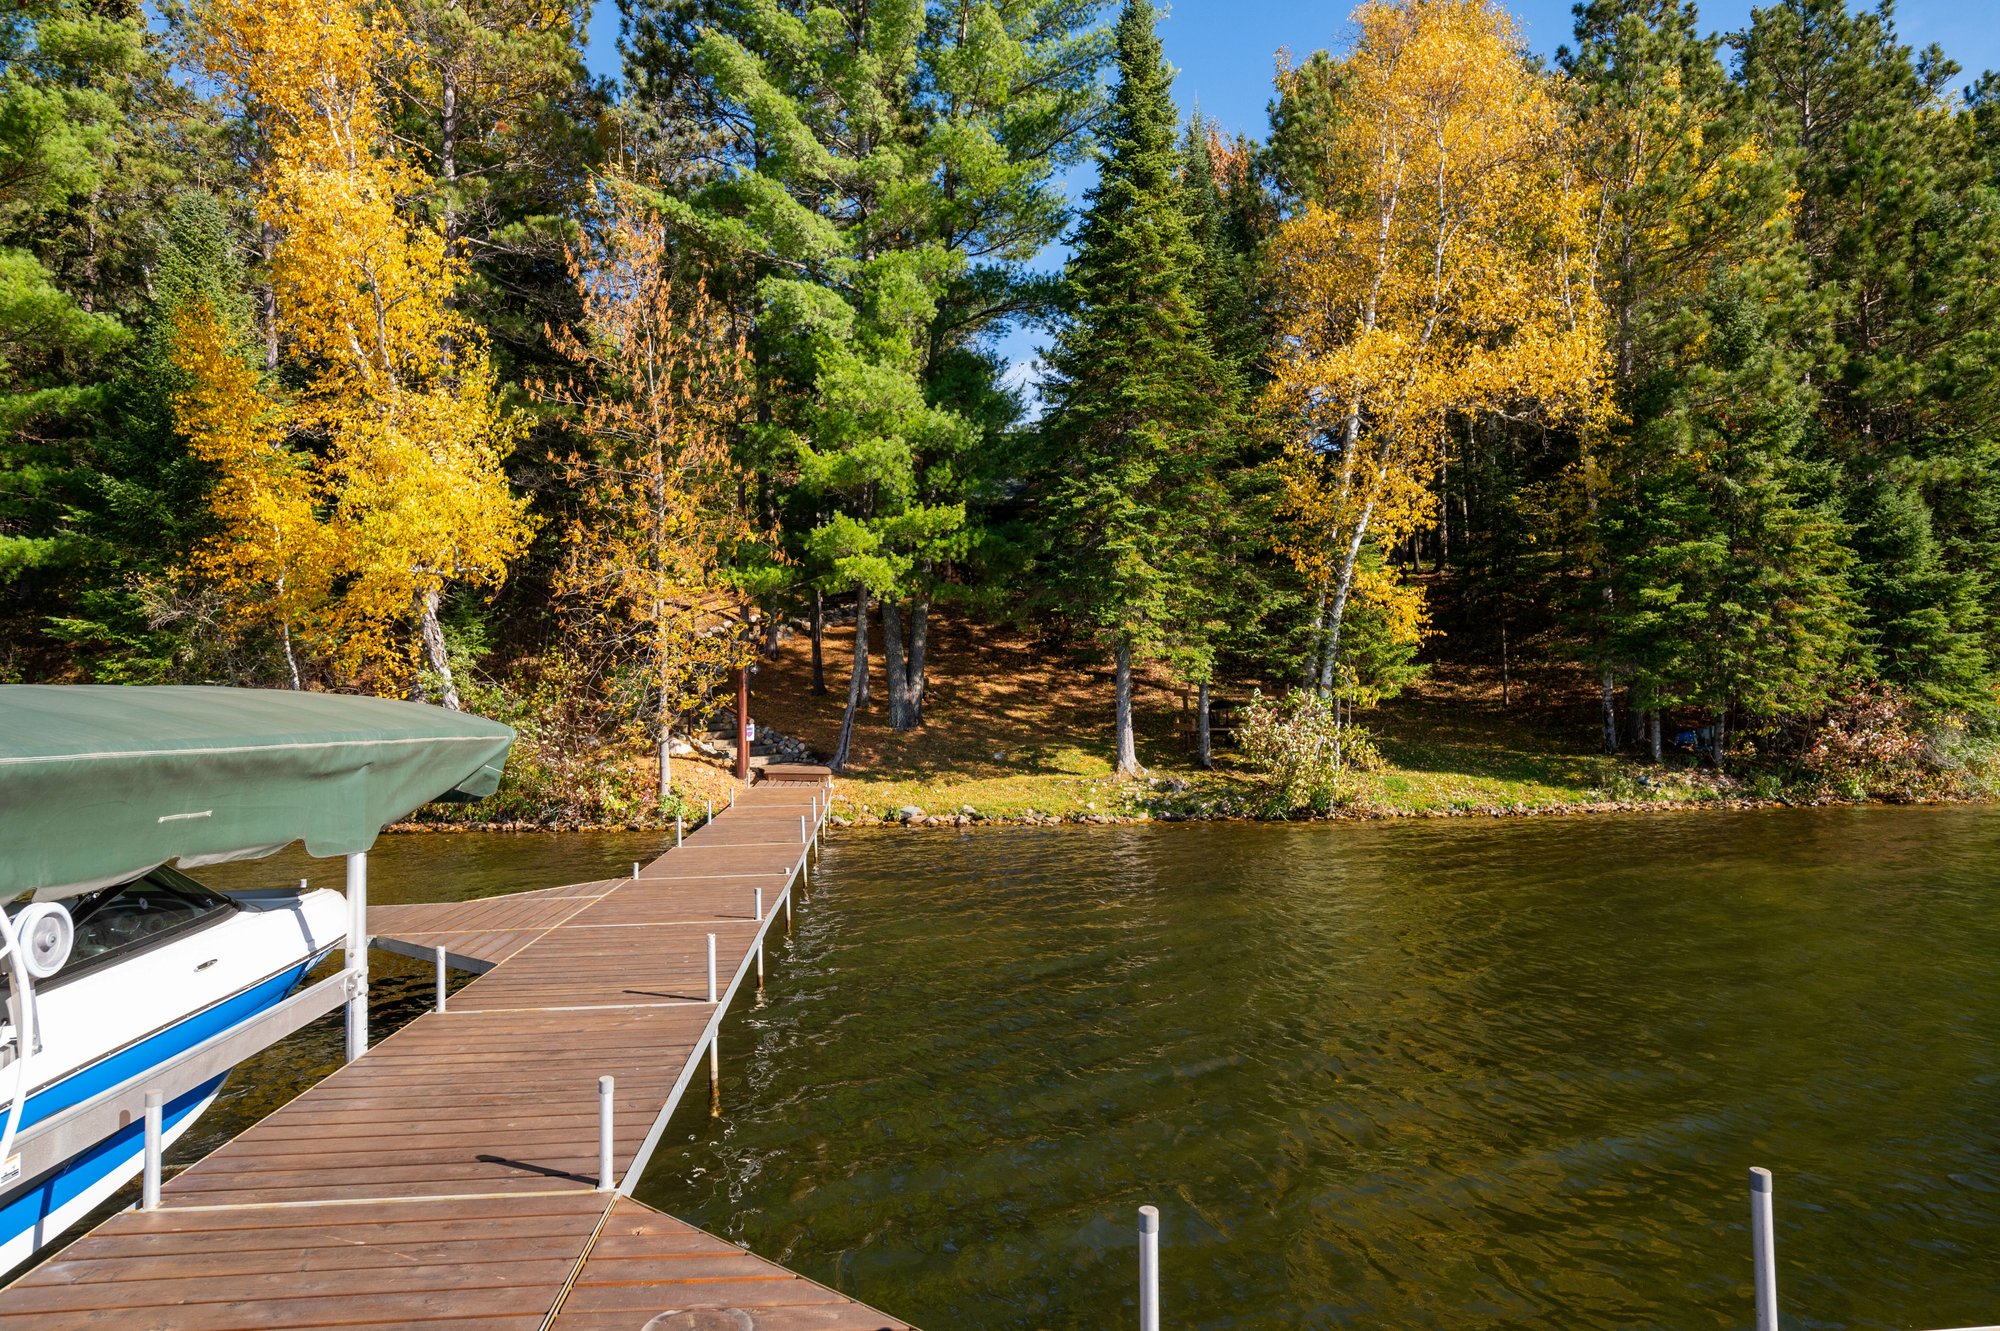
1225	51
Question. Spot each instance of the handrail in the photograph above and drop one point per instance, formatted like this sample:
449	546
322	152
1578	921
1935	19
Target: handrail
61	1135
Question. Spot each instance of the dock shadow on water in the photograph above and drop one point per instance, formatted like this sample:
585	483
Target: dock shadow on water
1442	1074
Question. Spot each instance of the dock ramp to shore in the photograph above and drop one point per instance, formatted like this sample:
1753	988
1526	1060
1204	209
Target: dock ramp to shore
453	1176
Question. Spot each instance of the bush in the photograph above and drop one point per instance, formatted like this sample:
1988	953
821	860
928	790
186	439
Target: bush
571	763
1300	742
1875	745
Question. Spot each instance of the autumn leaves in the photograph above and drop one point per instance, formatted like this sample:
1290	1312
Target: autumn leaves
1446	272
356	484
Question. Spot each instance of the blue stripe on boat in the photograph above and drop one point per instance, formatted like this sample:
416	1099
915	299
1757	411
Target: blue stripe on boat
158	1047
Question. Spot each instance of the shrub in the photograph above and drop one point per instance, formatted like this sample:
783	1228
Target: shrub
1302	744
1874	744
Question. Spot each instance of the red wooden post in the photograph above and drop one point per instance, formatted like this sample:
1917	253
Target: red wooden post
743	723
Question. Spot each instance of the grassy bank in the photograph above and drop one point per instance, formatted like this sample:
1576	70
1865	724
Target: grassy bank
1016	731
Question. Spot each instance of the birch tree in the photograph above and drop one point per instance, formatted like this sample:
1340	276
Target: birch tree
397	407
1447	273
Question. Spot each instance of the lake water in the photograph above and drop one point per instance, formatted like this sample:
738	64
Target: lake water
1435	1074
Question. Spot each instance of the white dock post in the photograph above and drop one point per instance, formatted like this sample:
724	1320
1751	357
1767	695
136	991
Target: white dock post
605	1183
440	978
677	829
710	806
1149	1268
732	797
635	868
802	827
715	1075
155	1137
711	968
357	955
760	940
1763	1249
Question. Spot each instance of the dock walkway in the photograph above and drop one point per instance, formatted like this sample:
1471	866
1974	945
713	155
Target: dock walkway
449	1177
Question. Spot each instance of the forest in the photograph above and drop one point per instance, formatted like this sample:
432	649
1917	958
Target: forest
376	345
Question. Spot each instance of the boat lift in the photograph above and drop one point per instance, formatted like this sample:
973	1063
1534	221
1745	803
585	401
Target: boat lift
104	783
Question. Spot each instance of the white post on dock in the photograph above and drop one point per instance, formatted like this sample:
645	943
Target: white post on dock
710	806
715	1075
357	954
635	868
1764	1249
605	1183
711	968
677	829
1149	1268
732	797
802	827
149	1190
440	978
760	940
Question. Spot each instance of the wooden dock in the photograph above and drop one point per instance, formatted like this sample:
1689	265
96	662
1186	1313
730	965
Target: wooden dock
449	1178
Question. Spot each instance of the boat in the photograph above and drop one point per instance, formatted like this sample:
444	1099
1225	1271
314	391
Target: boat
131	989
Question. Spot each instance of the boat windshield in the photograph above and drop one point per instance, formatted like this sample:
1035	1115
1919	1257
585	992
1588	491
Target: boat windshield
132	917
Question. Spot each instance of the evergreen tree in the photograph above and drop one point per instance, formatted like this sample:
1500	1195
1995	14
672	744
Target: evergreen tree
883	174
1124	485
1721	577
140	498
1900	227
92	134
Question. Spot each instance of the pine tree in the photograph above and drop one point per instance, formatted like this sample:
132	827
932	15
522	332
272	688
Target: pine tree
886	167
1720	578
1900	227
94	133
1134	386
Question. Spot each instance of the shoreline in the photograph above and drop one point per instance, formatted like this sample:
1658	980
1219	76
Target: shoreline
962	819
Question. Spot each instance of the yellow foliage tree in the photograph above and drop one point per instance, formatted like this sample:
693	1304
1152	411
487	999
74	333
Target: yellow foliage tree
662	527
1449	274
270	553
399	385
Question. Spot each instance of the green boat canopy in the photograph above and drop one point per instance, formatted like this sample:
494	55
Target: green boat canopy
99	783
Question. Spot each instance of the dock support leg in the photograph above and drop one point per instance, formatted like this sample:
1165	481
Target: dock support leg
1764	1250
1149	1268
605	1182
760	940
149	1189
440	979
357	955
715	1075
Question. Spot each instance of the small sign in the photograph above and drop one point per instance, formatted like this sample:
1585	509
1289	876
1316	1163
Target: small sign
11	1170
750	731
